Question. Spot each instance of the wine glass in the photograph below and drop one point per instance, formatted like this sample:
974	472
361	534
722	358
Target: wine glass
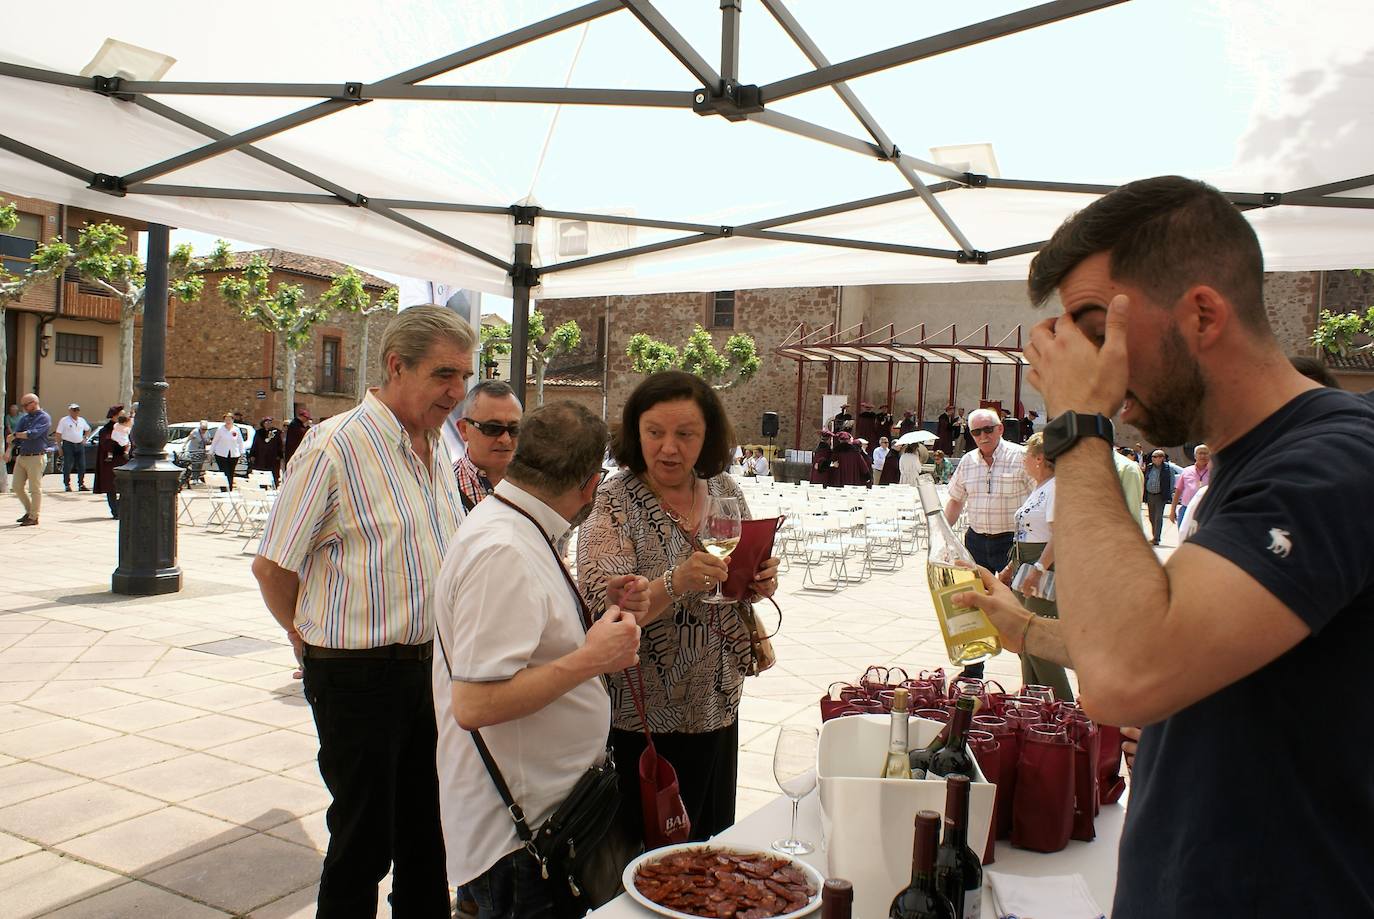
719	534
794	768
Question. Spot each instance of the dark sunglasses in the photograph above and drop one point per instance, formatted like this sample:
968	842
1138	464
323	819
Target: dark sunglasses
495	428
979	432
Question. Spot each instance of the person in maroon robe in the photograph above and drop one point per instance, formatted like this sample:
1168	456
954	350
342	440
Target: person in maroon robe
110	454
295	433
820	460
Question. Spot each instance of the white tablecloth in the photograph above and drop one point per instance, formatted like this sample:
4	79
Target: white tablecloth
1096	860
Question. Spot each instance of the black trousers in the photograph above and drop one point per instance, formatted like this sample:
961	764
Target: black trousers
992	552
707	768
226	466
1157	503
375	719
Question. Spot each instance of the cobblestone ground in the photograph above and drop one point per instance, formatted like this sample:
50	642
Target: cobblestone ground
157	758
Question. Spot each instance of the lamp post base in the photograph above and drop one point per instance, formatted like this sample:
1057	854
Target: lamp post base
147	530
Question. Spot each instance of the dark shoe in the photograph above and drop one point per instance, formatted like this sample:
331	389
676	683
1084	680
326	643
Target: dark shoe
21	519
82	488
66	488
29	522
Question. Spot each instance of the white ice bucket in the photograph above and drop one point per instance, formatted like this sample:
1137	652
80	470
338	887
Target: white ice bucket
868	822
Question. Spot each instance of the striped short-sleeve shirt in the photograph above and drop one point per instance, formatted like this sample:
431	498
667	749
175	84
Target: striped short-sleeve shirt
365	525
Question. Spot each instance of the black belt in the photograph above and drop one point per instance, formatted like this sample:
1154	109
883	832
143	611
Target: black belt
386	652
991	535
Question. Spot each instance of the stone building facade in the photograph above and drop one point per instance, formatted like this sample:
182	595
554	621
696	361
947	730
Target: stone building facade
218	362
770	316
600	367
62	337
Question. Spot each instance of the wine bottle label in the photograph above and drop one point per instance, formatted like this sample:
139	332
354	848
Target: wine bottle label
959	620
973	903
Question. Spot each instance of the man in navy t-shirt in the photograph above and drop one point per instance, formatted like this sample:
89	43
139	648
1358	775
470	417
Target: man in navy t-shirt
1253	792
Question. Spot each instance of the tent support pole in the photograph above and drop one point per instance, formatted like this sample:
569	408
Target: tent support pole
523	277
859	378
921	392
987	368
801	370
147	484
729	40
1017	390
953	368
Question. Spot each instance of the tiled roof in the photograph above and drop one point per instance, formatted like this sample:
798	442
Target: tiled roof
1358	362
309	265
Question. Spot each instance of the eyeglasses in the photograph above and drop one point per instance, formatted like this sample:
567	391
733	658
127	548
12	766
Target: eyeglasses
599	475
495	428
979	432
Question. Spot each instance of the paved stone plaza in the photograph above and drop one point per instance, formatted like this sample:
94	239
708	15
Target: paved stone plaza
157	758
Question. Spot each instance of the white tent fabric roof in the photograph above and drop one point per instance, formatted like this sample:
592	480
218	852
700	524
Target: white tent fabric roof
1254	95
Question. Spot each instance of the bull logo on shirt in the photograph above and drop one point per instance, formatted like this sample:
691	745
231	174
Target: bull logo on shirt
1279	543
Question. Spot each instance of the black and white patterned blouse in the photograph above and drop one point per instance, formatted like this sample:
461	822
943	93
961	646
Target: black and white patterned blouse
693	656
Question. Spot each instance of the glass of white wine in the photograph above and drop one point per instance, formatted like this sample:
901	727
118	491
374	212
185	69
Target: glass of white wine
719	534
794	768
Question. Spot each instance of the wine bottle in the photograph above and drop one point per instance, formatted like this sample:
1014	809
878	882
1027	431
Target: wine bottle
958	873
953	758
919	759
837	899
969	635
897	766
922	899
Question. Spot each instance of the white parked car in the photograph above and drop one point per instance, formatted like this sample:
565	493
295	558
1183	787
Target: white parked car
179	432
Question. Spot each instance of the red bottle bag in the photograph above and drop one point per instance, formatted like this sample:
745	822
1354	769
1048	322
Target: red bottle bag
1111	784
1042	810
988	752
1085	737
665	816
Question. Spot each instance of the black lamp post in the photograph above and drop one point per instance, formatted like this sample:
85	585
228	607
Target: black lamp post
147	483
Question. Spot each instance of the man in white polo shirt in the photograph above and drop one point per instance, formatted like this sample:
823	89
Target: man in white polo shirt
73	429
521	663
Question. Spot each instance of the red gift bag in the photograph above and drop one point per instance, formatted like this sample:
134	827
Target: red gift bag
665	817
1085	737
834	704
988	752
876	679
754	548
1111	784
1042	818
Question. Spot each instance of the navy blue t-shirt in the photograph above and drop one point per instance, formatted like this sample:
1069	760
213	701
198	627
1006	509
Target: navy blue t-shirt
1258	801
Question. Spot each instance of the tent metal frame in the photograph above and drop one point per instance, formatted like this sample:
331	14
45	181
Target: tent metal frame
719	93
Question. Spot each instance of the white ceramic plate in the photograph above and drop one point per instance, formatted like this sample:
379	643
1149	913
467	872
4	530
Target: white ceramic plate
628	879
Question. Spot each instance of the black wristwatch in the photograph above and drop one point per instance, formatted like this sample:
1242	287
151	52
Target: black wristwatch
1071	427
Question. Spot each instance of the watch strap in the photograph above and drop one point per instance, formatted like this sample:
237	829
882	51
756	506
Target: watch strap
1069	428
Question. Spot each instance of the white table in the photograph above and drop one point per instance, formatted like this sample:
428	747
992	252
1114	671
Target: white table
1096	860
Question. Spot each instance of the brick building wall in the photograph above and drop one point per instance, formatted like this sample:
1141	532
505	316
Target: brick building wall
218	362
770	316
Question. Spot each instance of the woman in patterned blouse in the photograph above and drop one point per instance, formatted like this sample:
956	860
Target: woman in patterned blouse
674	445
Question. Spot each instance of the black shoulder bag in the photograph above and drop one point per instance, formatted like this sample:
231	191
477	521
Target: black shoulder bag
582	849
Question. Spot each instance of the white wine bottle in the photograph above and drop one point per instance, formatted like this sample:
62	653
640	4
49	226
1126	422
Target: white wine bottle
897	765
969	635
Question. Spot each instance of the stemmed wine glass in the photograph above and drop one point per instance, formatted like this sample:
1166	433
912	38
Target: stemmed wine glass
794	768
719	534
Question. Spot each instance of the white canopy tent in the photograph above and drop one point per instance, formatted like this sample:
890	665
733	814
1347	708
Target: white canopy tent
692	144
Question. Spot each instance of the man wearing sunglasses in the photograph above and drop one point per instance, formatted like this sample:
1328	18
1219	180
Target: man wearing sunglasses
993	483
490	428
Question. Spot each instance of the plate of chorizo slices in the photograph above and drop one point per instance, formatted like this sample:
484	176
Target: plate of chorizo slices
712	881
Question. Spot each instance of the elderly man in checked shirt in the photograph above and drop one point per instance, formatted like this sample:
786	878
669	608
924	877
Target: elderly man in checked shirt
346	566
992	482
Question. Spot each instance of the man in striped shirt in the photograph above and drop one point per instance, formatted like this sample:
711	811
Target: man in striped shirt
346	566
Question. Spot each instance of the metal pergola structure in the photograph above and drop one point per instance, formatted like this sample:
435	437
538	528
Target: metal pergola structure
885	346
715	93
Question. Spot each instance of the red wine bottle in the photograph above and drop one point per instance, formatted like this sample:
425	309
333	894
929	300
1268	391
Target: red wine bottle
953	758
837	899
922	899
957	871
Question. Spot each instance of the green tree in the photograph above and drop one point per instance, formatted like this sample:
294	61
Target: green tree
347	294
544	346
698	355
99	257
563	340
284	310
1337	332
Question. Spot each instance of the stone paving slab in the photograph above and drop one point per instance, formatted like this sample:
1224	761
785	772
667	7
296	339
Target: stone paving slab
157	758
